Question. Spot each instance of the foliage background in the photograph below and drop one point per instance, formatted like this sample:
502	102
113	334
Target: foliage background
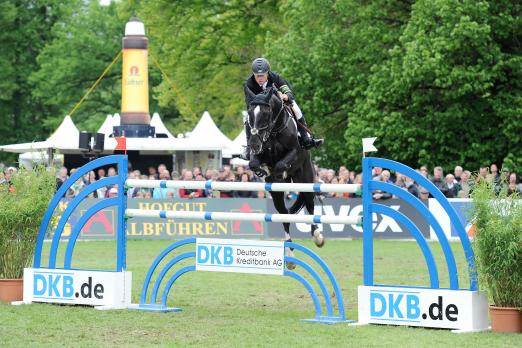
439	82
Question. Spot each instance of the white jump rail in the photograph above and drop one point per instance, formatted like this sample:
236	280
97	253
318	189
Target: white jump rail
244	186
226	216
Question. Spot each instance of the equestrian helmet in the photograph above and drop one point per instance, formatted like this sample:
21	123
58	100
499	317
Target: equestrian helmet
260	66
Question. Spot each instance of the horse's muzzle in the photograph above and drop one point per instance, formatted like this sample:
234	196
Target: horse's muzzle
256	145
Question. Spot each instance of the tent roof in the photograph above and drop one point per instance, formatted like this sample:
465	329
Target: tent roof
207	135
159	126
106	127
237	145
66	137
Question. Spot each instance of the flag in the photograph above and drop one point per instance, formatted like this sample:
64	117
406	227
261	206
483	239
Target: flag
368	144
121	144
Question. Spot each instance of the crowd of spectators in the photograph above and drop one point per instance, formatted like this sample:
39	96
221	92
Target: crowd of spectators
453	185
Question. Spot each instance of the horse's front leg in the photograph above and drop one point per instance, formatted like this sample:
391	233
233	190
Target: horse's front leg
286	162
278	198
255	165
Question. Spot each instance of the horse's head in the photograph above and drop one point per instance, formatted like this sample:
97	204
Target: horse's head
262	115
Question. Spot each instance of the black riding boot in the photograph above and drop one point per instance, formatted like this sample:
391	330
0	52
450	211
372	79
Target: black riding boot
246	152
307	139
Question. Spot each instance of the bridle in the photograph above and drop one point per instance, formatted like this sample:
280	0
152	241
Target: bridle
270	126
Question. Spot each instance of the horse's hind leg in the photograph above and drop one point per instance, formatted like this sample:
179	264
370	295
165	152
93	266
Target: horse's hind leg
279	203
317	236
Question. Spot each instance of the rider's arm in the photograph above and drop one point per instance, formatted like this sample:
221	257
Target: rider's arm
283	86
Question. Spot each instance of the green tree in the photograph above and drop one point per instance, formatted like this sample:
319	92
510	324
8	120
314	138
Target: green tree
450	92
82	46
328	53
206	48
25	28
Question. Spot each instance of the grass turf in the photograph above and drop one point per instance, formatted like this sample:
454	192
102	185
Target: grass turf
239	310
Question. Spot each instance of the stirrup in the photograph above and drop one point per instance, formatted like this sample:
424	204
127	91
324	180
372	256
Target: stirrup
318	142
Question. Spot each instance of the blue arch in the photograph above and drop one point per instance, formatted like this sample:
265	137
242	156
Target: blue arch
121	162
152	304
414	230
369	185
73	204
416	203
168	266
78	228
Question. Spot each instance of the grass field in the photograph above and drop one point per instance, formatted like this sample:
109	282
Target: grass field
238	310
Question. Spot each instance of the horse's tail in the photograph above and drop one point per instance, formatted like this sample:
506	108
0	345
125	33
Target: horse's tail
298	204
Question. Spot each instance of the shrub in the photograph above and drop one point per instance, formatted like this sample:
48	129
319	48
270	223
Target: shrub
22	206
498	243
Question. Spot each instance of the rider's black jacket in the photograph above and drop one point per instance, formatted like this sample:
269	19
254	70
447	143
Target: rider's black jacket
273	80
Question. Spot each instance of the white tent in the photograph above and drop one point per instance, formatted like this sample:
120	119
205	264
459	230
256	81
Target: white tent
160	128
65	138
237	147
206	136
107	126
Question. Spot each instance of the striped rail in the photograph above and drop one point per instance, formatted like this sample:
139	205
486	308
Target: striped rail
223	216
244	186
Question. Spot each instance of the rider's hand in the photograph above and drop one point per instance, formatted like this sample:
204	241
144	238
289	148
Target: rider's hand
284	97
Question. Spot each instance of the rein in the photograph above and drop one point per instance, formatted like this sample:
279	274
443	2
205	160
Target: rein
271	126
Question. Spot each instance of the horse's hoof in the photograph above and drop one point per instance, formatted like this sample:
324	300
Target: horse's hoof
290	265
318	238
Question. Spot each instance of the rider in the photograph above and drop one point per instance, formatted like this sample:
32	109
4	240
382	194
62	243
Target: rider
262	78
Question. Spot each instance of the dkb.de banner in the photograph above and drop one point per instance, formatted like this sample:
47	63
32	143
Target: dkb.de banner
103	224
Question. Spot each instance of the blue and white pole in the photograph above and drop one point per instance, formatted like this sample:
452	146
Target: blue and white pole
226	216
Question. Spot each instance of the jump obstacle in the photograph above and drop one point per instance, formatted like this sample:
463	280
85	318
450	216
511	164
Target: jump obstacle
465	308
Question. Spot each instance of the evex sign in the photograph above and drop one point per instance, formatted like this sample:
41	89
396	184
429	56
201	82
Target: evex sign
440	308
95	288
383	225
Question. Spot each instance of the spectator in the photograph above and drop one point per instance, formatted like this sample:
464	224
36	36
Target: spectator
457	172
376	172
411	186
493	169
101	173
400	180
244	194
186	193
438	180
112	172
378	194
514	185
464	184
423	193
453	186
424	172
113	191
385	177
196	171
153	172
61	178
163	193
483	173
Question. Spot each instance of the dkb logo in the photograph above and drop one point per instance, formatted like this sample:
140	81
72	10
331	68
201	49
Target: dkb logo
407	307
215	255
61	286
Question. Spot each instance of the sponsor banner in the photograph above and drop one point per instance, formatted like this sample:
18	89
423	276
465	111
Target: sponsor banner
103	224
240	256
384	226
94	288
438	308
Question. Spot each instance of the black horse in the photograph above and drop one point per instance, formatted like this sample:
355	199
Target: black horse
277	154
